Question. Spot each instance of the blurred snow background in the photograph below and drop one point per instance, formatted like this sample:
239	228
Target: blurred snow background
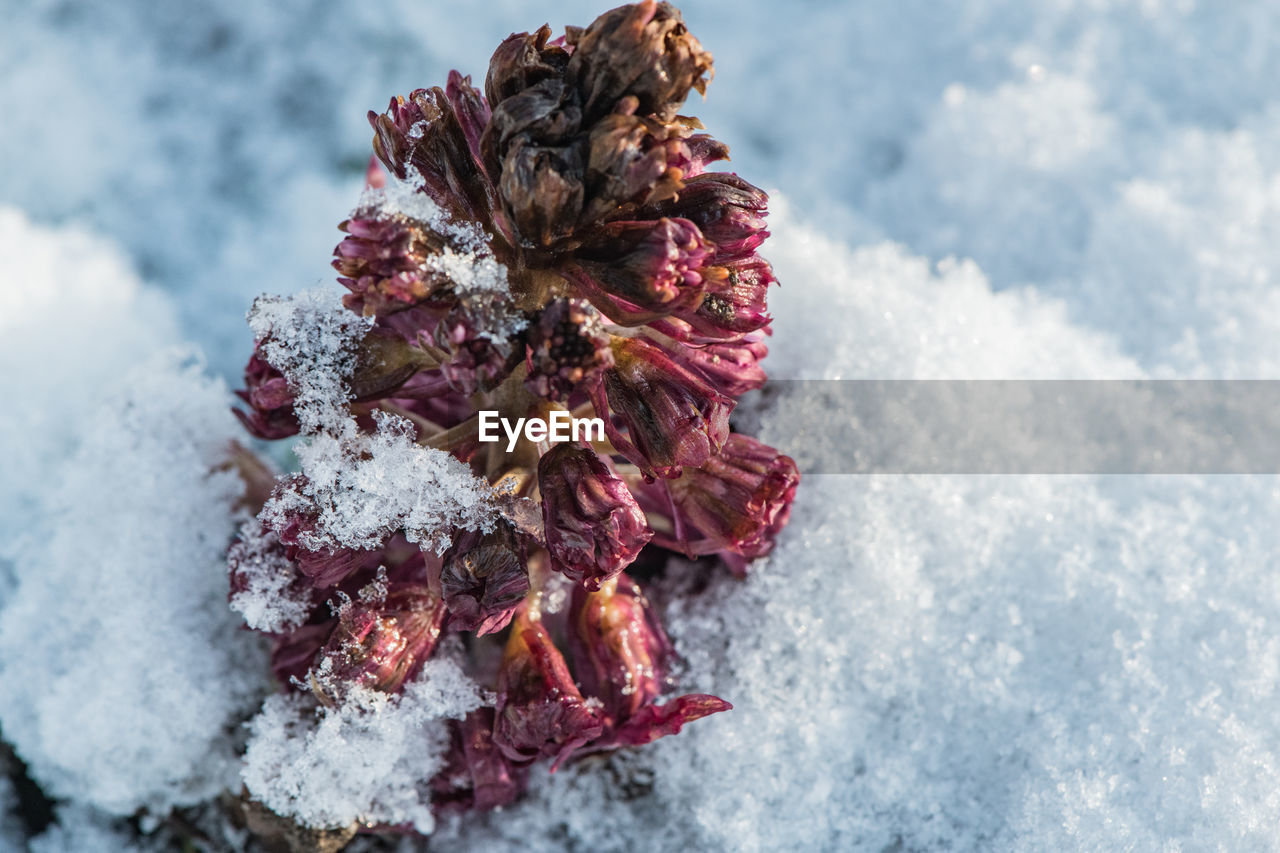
984	189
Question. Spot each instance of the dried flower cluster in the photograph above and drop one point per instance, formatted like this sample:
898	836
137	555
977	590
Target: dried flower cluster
553	243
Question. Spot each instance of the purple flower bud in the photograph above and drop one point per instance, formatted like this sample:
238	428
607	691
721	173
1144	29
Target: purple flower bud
540	712
566	348
325	567
476	774
523	61
542	190
630	159
734	305
737	501
472	113
484	579
422	138
476	363
382	263
643	50
379	644
594	528
733	368
620	652
697	152
673	417
271	413
726	209
637	271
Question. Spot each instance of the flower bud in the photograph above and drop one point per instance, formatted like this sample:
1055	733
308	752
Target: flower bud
271	413
630	159
566	348
420	138
324	567
594	528
732	367
737	501
542	190
476	362
523	61
540	712
484	578
634	271
472	113
673	418
698	151
620	652
726	209
643	50
733	306
476	774
382	262
379	644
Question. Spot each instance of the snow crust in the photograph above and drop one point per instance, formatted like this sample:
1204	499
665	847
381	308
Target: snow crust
926	663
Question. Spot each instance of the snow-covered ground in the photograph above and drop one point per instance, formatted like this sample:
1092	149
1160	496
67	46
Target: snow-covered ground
986	189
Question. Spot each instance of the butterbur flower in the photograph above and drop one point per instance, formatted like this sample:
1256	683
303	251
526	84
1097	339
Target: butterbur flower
621	656
728	211
379	644
733	368
643	50
271	415
421	138
324	566
673	417
620	652
540	712
736	501
484	578
555	243
565	349
593	526
383	262
635	271
475	362
631	158
523	61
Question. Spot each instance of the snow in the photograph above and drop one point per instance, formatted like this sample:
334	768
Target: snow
364	487
311	339
978	190
367	760
124	671
274	597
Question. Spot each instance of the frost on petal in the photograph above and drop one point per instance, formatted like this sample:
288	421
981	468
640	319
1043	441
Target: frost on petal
310	339
362	488
265	585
